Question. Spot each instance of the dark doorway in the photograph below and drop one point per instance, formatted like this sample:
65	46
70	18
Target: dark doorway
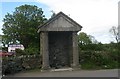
60	49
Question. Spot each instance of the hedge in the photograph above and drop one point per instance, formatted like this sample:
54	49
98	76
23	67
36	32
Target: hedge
98	60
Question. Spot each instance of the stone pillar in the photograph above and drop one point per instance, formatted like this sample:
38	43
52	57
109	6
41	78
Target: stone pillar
44	50
75	50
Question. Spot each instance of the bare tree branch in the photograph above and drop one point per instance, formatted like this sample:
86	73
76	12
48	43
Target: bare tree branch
114	31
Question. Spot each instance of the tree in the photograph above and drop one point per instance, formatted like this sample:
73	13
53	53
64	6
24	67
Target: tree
92	38
53	13
84	39
0	42
22	25
114	31
88	42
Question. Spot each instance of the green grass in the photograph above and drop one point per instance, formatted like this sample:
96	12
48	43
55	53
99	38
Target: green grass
89	66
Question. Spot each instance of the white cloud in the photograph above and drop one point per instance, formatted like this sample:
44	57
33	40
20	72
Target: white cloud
96	16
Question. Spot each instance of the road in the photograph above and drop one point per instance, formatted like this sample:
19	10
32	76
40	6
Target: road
80	73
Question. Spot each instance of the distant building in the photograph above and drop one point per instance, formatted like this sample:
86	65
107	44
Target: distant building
12	47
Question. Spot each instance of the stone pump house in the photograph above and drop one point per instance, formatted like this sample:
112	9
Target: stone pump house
58	42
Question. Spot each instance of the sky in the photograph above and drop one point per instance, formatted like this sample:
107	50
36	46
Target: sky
96	16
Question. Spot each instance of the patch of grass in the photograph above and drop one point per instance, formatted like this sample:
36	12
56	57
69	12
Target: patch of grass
89	66
112	65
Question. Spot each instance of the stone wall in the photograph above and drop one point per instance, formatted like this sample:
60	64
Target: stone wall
60	49
15	64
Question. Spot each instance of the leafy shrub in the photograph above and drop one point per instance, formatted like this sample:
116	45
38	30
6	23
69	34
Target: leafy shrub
20	52
92	47
97	59
89	65
32	51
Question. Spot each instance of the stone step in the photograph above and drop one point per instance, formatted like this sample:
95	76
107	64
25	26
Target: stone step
63	69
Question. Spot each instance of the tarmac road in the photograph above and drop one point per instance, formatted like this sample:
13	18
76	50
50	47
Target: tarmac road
80	73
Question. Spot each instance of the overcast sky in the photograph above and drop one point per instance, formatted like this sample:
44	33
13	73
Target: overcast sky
96	16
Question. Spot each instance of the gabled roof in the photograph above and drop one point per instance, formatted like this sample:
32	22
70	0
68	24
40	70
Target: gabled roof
74	26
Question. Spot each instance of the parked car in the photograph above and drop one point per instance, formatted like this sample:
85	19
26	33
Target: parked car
11	53
4	53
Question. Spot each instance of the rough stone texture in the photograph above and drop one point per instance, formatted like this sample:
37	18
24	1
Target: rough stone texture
60	49
75	50
16	64
58	38
60	22
44	49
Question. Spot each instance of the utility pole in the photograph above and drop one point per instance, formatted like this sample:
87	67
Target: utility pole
119	21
